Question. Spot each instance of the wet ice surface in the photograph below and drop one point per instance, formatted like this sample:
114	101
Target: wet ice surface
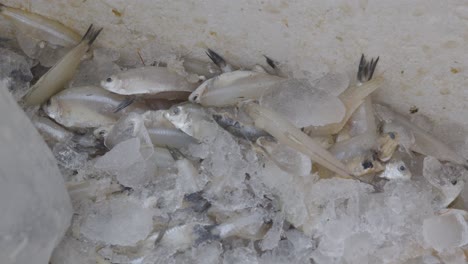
312	105
223	199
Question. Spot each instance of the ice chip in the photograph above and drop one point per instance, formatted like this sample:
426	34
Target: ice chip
448	230
302	104
130	126
119	221
333	83
447	178
121	156
273	235
243	255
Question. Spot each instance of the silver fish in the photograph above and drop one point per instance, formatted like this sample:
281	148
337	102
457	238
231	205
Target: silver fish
87	107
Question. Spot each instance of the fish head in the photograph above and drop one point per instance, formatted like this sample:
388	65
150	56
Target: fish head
178	116
397	169
195	96
192	119
52	108
102	132
112	83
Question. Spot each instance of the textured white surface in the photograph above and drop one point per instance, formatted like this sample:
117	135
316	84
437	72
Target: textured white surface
421	43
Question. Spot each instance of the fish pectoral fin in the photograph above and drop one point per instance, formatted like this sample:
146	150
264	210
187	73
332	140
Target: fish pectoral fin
128	101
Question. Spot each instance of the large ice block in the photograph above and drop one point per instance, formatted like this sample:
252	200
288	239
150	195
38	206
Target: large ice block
34	204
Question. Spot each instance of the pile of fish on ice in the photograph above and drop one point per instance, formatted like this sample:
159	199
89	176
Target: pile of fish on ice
191	161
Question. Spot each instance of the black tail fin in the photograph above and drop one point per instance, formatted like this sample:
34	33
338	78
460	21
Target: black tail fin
366	69
216	58
273	64
126	102
91	34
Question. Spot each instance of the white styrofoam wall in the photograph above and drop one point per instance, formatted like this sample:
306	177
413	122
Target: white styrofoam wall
422	43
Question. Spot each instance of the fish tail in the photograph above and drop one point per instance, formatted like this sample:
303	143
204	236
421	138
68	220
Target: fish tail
273	64
126	102
366	68
216	58
91	34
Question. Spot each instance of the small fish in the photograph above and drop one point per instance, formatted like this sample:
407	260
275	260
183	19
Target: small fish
396	169
87	107
233	87
424	142
219	61
62	72
239	129
154	82
40	27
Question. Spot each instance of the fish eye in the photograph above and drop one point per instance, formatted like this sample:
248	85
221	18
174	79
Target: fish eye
454	182
176	111
402	168
367	164
109	79
195	97
392	135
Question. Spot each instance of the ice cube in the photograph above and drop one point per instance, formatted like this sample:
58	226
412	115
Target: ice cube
121	156
284	253
126	161
130	126
358	248
447	178
290	190
286	158
302	104
274	233
138	174
35	204
207	253
333	83
237	255
448	230
119	221
15	72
